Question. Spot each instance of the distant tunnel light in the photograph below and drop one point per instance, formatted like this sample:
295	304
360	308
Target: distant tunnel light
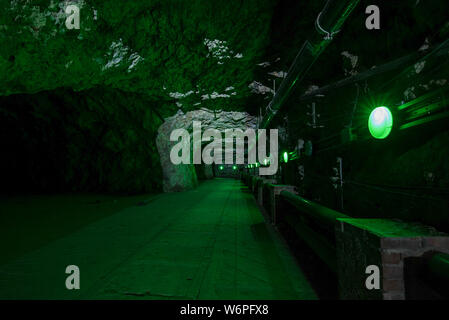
380	122
285	156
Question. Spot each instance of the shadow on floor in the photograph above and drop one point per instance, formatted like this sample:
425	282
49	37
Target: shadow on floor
28	222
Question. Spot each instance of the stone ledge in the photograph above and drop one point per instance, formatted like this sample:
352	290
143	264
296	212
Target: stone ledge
385	243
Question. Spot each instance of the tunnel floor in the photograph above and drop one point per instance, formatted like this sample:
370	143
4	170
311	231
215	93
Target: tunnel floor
207	243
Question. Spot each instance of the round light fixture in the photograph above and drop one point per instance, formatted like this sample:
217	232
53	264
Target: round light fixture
285	156
380	122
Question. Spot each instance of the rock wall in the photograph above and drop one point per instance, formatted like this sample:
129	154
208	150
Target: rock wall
98	140
183	176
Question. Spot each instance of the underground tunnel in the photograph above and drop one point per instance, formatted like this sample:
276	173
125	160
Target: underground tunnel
224	150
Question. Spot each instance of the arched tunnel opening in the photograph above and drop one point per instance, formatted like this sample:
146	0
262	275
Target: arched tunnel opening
238	150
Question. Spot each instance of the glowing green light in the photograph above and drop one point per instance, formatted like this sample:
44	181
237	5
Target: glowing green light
234	167
285	156
380	122
221	167
265	162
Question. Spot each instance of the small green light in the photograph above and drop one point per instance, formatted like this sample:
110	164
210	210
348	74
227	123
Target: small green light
380	122
285	156
221	167
265	162
234	167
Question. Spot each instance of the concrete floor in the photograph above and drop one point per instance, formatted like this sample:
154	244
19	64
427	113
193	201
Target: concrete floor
208	243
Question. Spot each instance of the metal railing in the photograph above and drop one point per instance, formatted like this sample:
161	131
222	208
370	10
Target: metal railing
315	225
313	210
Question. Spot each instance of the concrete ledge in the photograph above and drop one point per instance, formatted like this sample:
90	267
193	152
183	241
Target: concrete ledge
384	243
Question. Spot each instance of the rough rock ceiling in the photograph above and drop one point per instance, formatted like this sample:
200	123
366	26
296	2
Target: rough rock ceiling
190	53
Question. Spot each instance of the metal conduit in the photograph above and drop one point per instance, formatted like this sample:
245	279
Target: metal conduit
328	23
314	210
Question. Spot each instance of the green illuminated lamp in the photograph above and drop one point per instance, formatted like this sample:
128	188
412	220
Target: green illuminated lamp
265	162
221	167
234	167
285	156
380	122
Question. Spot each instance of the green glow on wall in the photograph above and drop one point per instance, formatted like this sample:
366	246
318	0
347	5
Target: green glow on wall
265	162
380	122
234	167
221	167
285	156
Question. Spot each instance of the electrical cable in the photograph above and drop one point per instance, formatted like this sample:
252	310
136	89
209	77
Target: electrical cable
327	35
385	187
380	188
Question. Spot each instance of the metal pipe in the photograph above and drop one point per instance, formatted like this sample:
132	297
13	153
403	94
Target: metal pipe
318	243
364	75
328	22
334	14
322	214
